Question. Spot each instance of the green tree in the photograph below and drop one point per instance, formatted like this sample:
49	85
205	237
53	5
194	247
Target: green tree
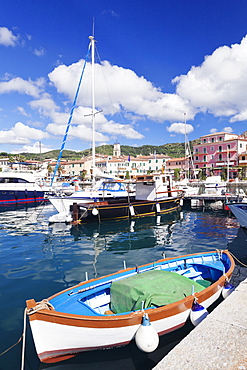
177	174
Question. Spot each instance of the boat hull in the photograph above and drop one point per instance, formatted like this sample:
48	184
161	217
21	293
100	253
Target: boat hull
119	210
12	197
60	335
240	212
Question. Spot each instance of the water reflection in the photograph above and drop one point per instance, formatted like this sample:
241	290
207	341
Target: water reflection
121	236
238	246
38	260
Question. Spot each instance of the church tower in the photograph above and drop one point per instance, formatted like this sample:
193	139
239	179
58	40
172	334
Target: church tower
117	150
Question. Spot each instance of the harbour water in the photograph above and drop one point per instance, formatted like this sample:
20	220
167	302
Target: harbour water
38	259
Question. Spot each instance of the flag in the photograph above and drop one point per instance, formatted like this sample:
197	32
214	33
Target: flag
129	158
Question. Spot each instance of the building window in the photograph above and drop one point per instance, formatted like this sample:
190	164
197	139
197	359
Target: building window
196	158
205	158
220	148
243	158
212	139
204	140
212	148
204	150
196	150
240	145
220	157
228	146
220	138
196	165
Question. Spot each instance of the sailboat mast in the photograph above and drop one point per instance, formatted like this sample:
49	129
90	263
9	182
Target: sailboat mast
93	106
185	148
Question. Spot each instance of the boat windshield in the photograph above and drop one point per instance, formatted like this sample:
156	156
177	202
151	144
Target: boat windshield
12	180
113	186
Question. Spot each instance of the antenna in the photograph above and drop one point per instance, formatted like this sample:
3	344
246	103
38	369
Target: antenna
93	27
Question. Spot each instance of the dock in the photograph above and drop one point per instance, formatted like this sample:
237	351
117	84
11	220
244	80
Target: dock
202	200
218	342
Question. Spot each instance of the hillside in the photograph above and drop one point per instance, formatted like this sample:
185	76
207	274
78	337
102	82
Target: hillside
173	150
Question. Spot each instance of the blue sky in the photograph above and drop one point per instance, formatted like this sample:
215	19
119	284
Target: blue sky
155	61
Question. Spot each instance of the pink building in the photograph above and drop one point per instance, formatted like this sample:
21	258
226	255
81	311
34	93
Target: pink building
217	151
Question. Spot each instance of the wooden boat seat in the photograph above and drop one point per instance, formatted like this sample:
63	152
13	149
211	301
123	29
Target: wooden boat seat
189	273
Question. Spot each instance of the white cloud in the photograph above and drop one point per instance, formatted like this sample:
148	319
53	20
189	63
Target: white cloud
21	130
37	147
7	38
21	86
22	111
81	132
213	130
45	105
219	85
117	129
180	128
21	134
228	129
129	92
9	137
39	52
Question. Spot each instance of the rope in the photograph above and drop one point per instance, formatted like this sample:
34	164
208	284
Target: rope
241	263
40	205
70	118
24	340
43	305
23	337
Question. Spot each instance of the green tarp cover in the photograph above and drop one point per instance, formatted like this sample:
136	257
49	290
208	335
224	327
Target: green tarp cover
156	288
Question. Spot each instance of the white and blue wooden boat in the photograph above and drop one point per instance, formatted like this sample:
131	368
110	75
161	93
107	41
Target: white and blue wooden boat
134	303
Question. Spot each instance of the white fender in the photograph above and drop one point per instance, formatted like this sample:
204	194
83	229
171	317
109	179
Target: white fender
227	289
197	313
95	212
132	210
157	207
146	338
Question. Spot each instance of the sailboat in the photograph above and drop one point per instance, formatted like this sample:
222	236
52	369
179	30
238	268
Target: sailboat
105	188
184	184
154	194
